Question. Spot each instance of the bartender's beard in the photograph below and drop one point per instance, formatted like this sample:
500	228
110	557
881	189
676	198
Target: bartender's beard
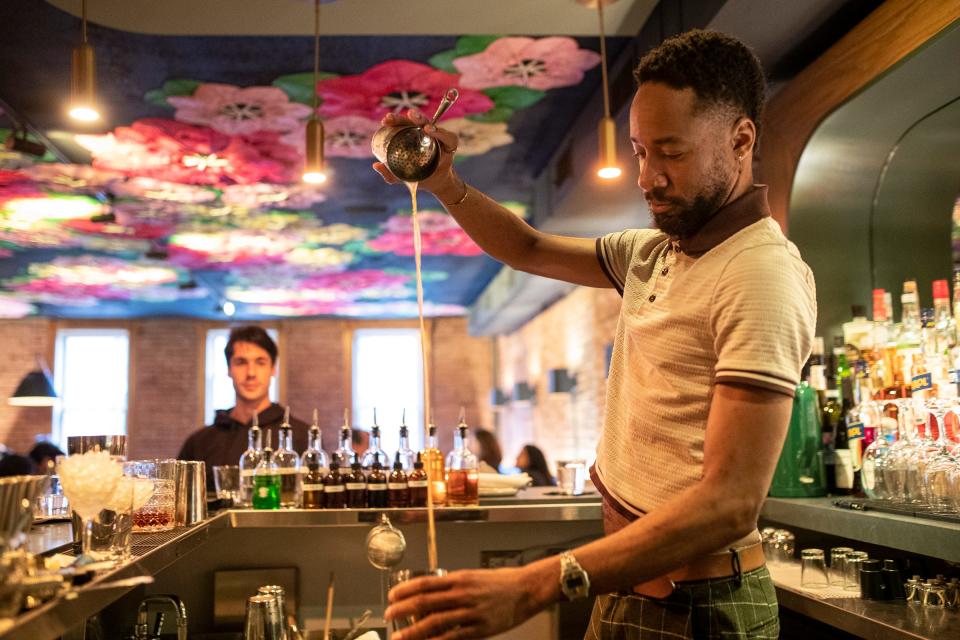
688	217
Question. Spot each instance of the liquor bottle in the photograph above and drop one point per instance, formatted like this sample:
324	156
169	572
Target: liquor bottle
356	484
843	373
908	338
398	493
344	452
462	473
433	461
374	451
406	454
944	322
288	464
859	331
248	462
312	487
419	483
314	453
816	369
334	488
266	481
376	485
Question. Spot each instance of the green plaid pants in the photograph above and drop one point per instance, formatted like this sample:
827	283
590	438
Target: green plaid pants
705	609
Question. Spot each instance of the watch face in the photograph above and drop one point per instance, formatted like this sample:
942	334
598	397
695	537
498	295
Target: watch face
575	582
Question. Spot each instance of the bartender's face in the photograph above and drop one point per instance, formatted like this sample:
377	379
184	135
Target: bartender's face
251	369
686	156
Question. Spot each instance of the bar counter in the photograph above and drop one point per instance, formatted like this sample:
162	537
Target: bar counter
498	533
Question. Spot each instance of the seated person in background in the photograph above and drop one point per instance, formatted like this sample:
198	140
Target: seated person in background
12	464
44	456
532	462
252	362
488	451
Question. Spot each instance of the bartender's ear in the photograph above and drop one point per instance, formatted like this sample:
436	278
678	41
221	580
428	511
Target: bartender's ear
744	136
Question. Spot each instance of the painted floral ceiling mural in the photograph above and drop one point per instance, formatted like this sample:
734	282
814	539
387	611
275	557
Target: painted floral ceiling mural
189	194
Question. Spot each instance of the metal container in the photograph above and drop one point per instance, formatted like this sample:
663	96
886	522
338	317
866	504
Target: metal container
115	445
408	152
18	494
263	620
191	492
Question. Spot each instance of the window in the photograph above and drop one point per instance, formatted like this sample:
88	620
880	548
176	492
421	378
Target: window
91	374
218	387
388	375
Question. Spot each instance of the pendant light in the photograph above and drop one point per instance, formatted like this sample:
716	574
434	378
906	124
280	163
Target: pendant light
35	389
315	168
607	130
83	77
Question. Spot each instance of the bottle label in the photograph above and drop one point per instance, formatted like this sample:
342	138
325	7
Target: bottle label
286	471
246	473
854	431
954	376
397	486
416	484
844	469
356	486
333	488
312	487
922	382
377	487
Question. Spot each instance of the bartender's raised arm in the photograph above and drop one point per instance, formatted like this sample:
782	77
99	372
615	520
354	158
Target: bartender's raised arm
498	231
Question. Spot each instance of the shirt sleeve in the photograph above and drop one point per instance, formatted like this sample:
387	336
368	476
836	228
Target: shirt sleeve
614	252
764	314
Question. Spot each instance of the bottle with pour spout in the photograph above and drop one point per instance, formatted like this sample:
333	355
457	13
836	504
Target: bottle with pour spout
404	452
374	452
435	468
249	460
463	471
313	468
266	481
344	452
288	464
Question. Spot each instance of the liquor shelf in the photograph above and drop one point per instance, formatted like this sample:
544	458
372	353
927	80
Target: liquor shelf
922	536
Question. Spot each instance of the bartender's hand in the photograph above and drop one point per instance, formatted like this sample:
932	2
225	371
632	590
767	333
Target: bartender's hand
444	182
473	604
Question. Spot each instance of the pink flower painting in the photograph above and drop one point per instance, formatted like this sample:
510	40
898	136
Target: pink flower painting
535	63
71	178
238	111
439	233
395	86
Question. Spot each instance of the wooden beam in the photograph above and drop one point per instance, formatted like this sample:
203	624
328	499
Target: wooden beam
894	30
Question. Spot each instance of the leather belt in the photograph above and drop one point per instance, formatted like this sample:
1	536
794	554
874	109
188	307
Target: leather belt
734	562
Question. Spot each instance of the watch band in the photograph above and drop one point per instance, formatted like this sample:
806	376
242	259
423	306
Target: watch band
574	581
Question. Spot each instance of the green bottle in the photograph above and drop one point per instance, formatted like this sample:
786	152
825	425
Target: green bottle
800	472
266	481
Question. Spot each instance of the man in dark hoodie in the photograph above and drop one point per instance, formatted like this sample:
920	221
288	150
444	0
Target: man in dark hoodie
252	363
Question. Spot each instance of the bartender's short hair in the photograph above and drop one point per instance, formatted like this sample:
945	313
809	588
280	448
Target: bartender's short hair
254	335
721	70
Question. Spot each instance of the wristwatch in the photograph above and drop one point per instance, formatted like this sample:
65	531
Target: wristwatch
574	581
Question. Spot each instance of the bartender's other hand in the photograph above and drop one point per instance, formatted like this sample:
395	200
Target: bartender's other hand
464	604
444	178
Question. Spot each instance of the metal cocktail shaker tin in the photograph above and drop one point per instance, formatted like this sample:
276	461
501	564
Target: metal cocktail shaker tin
114	445
264	620
408	152
191	492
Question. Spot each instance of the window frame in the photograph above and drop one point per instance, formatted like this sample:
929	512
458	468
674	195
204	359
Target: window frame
59	331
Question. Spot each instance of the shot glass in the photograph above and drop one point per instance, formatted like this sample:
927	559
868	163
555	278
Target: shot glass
226	481
851	570
813	569
572	475
111	527
838	556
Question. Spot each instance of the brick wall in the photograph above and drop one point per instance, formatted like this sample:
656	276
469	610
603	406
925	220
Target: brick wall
166	382
571	334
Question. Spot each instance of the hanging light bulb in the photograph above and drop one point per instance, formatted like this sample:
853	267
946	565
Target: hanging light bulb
83	77
315	169
607	130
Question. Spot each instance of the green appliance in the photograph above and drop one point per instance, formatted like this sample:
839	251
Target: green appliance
800	472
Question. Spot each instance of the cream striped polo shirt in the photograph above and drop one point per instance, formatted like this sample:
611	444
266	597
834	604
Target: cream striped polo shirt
734	303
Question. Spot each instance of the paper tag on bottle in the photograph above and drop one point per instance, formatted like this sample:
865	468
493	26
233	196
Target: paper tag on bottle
843	470
922	382
416	484
333	488
396	486
854	431
286	471
356	486
376	487
313	487
954	376
246	473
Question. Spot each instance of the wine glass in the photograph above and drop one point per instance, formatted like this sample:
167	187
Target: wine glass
897	470
940	464
89	481
876	456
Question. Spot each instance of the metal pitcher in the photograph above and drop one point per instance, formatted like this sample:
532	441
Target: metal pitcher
191	492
